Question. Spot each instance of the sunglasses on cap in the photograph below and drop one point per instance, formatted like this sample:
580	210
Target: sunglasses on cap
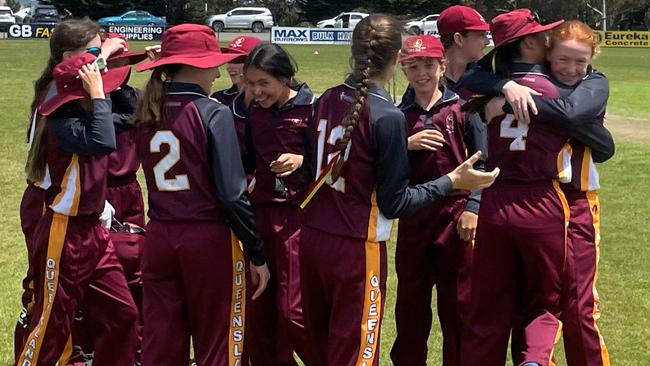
94	51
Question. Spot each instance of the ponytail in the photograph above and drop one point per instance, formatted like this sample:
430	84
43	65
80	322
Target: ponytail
36	157
149	111
375	43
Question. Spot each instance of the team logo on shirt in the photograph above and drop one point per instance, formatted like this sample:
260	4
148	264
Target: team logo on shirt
449	123
295	122
345	97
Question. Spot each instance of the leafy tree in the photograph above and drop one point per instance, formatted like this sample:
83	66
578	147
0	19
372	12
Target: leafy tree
14	5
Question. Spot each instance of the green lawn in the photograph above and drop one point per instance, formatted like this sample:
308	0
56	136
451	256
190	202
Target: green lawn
624	283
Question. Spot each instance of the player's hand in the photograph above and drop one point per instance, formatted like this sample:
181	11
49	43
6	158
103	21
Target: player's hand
259	278
429	139
111	46
92	81
466	226
468	178
520	98
286	164
153	52
494	108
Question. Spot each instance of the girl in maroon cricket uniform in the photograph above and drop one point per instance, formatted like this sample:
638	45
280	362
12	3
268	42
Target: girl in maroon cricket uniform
584	93
277	125
72	136
363	174
430	248
193	266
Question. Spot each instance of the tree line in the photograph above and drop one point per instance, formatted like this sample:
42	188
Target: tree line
294	12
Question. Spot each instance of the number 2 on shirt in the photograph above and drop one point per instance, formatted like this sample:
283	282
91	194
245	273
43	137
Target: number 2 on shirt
179	182
336	133
515	129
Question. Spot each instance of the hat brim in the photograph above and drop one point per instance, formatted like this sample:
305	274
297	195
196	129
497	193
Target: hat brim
111	79
241	55
420	54
202	62
478	27
133	57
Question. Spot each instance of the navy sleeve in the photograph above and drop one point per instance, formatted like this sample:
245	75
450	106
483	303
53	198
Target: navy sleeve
124	103
80	135
394	196
307	161
229	177
481	81
475	137
582	113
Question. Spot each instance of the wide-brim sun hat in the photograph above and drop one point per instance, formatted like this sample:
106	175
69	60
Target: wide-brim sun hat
192	45
508	27
68	86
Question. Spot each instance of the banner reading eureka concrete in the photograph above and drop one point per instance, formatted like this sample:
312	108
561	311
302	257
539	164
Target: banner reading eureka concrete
131	32
293	35
629	39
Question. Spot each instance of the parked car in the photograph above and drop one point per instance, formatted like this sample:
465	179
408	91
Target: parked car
255	19
42	14
133	17
6	17
21	14
343	20
426	25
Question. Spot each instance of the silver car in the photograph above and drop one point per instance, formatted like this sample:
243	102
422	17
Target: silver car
6	17
255	19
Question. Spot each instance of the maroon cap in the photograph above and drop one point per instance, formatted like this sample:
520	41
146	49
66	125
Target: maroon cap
67	85
460	18
189	44
132	57
242	45
516	24
425	45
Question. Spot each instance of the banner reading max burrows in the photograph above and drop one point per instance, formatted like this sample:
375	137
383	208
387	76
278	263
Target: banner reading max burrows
130	32
292	35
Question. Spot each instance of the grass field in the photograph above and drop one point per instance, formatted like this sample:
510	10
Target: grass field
624	282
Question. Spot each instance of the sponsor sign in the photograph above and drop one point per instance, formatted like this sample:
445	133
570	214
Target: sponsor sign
30	30
292	35
130	32
623	39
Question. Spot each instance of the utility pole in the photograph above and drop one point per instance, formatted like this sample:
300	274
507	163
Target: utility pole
603	13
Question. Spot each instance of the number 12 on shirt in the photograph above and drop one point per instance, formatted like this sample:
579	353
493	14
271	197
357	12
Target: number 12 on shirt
335	135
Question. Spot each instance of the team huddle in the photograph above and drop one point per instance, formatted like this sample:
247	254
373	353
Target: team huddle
270	207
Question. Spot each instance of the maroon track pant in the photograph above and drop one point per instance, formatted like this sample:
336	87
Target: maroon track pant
275	326
194	277
343	283
125	195
583	343
517	273
429	251
74	268
31	211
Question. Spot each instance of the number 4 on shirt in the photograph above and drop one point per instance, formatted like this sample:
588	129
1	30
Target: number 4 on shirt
514	129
